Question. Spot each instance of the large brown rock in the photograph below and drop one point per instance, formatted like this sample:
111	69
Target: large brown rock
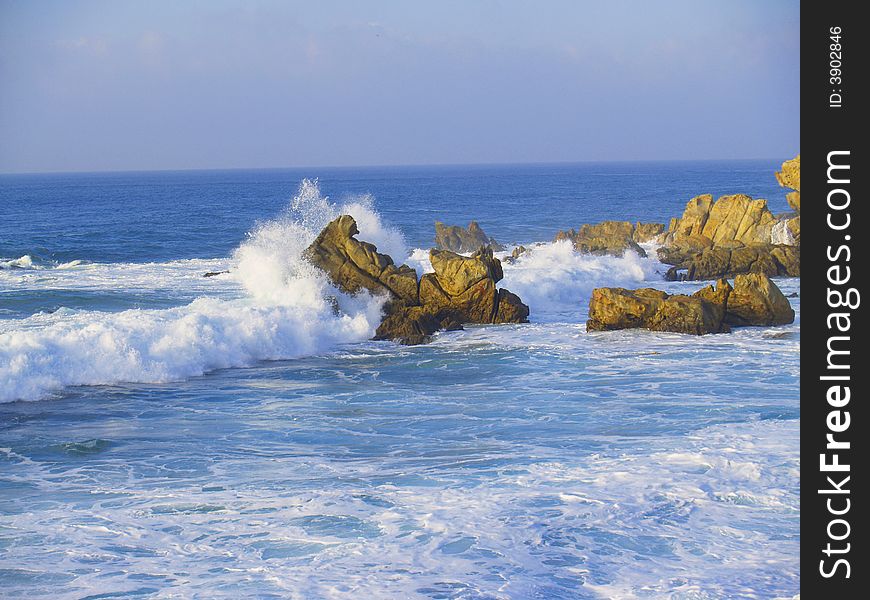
353	265
461	290
734	235
731	218
611	237
465	286
647	308
754	300
461	240
790	176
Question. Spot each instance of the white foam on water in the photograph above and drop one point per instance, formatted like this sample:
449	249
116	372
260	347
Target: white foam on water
705	520
22	262
286	312
554	278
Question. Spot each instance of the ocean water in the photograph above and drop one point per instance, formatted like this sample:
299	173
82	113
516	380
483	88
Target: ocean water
163	434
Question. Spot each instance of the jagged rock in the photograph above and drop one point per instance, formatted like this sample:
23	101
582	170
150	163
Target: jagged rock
461	290
412	325
790	177
754	300
353	265
460	240
734	235
214	273
731	218
611	237
647	232
465	286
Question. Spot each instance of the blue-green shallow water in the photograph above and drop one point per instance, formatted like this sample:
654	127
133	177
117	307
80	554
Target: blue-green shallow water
529	461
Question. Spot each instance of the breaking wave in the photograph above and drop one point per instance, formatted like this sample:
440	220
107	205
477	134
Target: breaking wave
287	310
268	304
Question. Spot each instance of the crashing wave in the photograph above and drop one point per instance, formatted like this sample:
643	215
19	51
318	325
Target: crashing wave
289	311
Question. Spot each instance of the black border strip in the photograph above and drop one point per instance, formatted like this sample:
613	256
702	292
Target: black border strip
831	115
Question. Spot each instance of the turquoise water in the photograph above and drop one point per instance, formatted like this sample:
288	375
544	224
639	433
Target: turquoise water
168	435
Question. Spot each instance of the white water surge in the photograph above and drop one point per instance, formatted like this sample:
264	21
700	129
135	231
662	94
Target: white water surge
285	311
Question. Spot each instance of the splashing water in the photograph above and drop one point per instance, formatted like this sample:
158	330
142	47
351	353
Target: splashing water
286	312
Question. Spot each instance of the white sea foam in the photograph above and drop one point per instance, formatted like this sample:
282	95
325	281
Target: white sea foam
288	311
554	278
22	262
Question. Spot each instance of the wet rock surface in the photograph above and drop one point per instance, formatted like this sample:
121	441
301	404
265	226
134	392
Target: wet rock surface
461	290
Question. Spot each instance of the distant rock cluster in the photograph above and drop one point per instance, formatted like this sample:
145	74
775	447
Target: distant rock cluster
461	240
612	237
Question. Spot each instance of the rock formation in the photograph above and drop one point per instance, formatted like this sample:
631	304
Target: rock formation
517	252
457	239
611	237
726	260
353	265
461	290
735	234
754	300
790	177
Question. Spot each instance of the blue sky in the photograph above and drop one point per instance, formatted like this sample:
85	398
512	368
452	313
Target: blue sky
98	85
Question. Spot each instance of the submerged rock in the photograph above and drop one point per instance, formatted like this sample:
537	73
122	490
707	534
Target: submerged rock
611	237
461	290
754	300
461	240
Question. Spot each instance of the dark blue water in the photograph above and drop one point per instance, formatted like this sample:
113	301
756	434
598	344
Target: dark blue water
160	216
163	434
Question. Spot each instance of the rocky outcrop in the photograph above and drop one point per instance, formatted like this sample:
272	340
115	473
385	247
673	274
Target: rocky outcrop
460	240
726	260
461	290
648	308
464	287
353	265
612	237
731	218
733	235
754	300
790	177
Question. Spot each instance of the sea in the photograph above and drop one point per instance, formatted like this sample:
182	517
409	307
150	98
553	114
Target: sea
169	435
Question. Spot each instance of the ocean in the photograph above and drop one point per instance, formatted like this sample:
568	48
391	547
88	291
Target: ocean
165	434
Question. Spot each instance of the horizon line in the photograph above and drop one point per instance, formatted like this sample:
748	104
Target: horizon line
387	166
